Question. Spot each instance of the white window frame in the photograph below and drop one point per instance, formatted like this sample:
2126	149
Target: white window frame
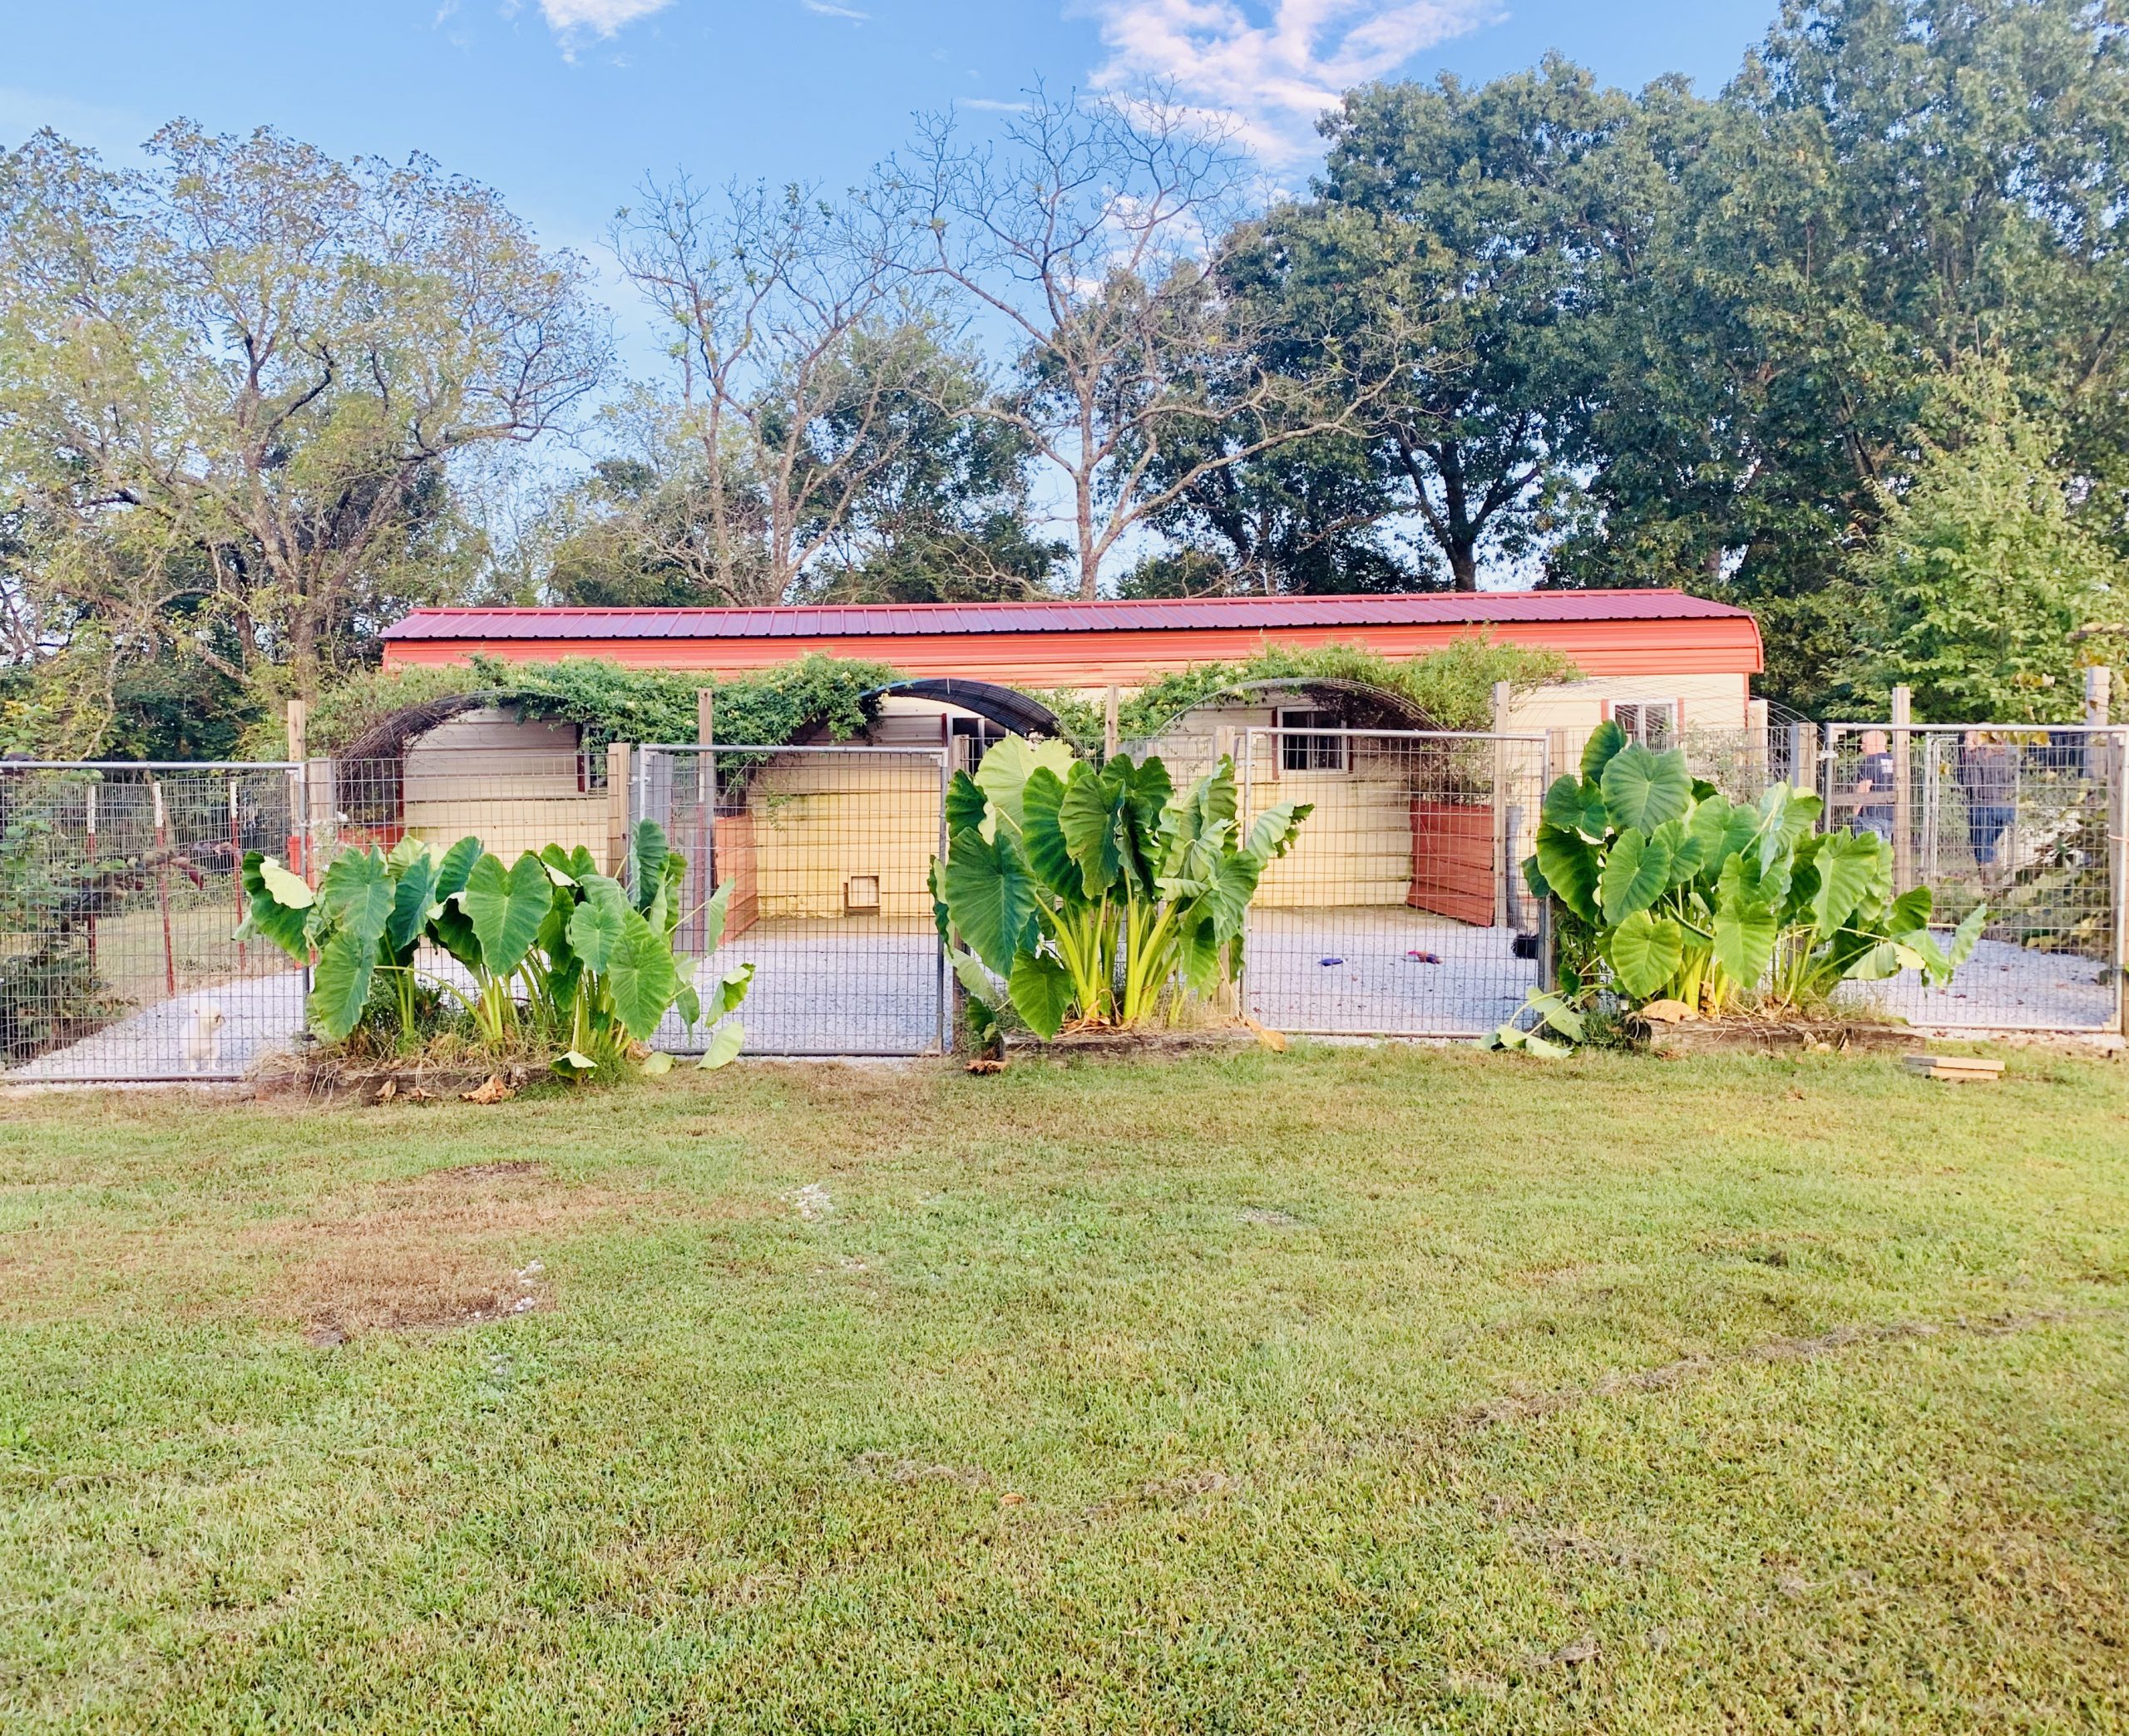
1315	736
1638	731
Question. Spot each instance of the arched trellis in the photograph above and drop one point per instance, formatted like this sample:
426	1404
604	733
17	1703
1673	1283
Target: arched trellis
1008	708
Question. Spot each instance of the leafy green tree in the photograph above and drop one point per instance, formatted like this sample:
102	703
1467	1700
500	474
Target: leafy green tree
1980	576
238	377
1452	240
1887	188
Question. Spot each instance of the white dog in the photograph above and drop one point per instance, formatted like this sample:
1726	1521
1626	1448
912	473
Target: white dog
203	1039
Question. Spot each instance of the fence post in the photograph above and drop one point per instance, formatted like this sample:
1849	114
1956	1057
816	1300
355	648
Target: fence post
2099	693
2117	765
1111	730
1759	765
1503	697
1903	746
298	841
617	807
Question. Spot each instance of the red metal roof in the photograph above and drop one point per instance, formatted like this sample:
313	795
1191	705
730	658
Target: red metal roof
902	620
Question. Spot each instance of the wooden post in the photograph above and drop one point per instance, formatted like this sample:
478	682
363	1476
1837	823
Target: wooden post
617	807
96	891
1756	742
2099	695
236	870
1903	747
1503	698
298	841
299	716
1111	733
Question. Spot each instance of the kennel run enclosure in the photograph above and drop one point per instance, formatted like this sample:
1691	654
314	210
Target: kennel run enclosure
1401	911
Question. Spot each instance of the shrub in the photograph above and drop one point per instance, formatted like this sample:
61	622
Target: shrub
1097	896
1664	889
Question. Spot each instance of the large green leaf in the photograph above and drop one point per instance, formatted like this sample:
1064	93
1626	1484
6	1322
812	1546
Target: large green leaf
1041	991
1637	873
1201	953
1605	743
641	977
1042	836
356	896
731	988
1851	867
600	921
967	807
725	1043
1570	868
411	900
506	907
271	917
1087	816
288	890
1744	933
1645	953
646	864
1576	805
991	897
1910	911
977	981
339	990
1643	789
716	915
454	865
1008	765
1272	833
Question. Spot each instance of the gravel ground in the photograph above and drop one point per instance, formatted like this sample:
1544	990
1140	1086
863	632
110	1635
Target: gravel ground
259	1015
1381	969
2004	985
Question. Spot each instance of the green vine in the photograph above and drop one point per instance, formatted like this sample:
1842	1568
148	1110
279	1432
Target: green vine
1453	687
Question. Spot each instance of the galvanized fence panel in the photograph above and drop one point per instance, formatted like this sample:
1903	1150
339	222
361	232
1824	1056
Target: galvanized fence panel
2028	819
828	852
1401	910
120	903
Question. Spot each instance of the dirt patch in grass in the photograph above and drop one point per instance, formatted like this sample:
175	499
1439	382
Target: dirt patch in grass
455	1247
452	1247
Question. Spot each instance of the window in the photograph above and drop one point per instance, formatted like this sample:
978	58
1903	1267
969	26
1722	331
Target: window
1653	723
1300	751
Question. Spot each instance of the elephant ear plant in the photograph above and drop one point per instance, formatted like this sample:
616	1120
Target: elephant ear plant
1097	896
1665	889
550	948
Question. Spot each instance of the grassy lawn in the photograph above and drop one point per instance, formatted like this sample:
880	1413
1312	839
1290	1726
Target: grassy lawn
1346	1390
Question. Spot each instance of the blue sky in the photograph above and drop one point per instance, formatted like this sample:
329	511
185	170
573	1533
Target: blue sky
564	105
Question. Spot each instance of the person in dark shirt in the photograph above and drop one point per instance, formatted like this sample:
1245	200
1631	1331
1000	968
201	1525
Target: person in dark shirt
1987	772
1874	787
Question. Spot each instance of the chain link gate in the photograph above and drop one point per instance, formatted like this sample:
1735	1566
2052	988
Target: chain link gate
1401	911
828	853
2028	819
119	902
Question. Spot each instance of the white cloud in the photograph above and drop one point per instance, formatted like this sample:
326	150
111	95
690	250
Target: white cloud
1271	66
991	105
828	10
570	19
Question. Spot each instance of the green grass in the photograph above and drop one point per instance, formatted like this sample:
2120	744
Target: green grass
1347	1390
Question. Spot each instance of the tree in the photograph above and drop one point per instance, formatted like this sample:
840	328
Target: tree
800	351
1888	188
241	376
1978	586
1454	239
1089	241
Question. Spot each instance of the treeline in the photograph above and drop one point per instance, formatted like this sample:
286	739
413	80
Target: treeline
1844	342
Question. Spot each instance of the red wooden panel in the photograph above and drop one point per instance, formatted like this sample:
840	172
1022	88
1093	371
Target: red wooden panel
735	863
1452	862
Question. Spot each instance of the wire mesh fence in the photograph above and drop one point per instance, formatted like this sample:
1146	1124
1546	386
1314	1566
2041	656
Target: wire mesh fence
828	853
2028	820
120	903
1401	909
